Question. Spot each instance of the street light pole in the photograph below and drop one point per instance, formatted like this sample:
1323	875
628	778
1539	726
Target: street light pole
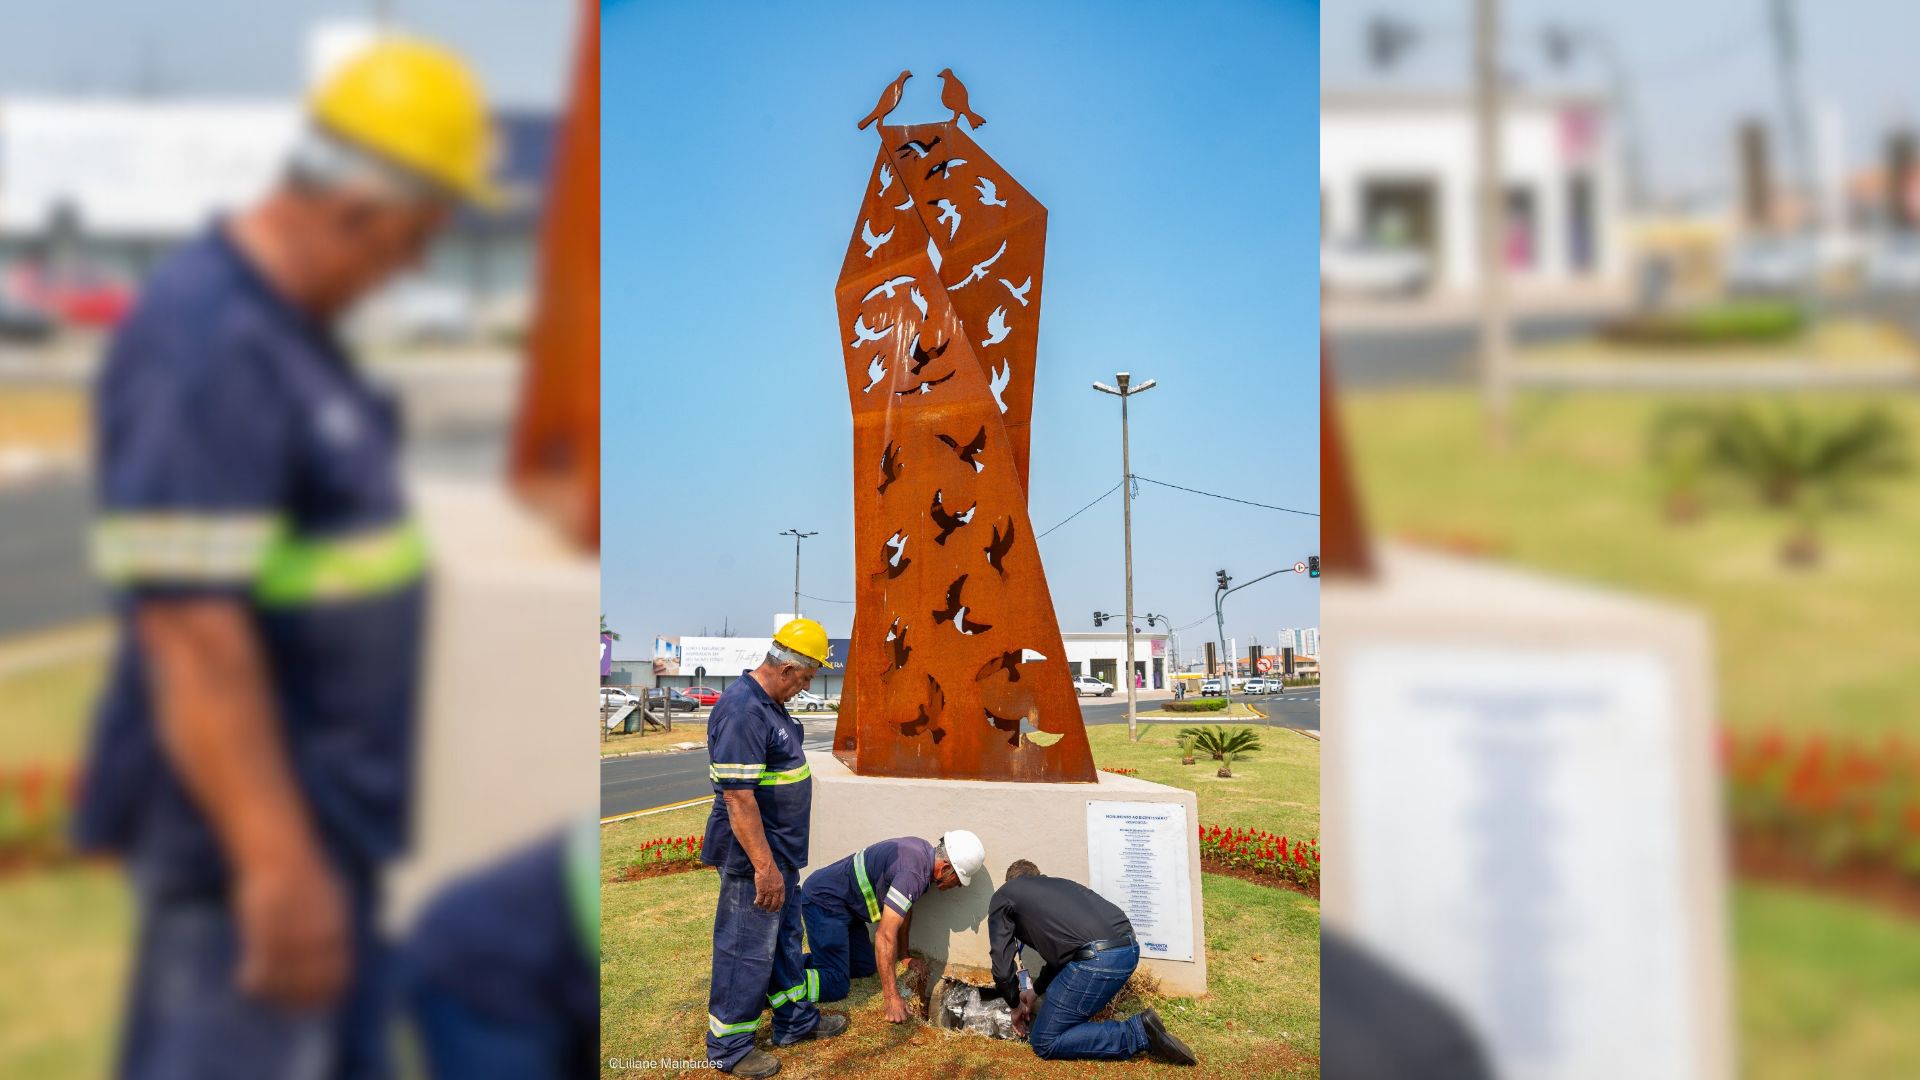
1124	392
797	537
1495	343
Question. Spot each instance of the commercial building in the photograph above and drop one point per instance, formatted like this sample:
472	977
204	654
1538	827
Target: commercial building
1103	656
1400	171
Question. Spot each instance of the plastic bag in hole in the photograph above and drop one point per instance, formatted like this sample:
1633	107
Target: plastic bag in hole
963	1007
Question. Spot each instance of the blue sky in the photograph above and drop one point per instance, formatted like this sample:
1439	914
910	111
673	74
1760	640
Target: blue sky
1172	145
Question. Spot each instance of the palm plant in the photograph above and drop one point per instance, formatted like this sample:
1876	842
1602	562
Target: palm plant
1186	749
1218	741
1226	766
1791	461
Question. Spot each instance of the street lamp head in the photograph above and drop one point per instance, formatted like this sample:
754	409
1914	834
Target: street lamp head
1121	378
1104	388
1145	386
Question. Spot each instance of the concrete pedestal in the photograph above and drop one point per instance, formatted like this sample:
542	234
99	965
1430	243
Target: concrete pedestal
1046	823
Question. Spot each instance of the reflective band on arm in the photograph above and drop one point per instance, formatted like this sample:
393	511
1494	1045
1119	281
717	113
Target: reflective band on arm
175	548
899	899
791	776
721	1030
721	770
866	887
302	571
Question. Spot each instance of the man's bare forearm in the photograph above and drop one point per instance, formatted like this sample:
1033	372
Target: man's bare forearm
743	813
218	725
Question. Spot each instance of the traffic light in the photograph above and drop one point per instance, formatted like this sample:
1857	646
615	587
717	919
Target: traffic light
1099	618
1222	578
1313	566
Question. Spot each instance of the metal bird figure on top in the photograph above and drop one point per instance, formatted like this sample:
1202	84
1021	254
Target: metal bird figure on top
956	668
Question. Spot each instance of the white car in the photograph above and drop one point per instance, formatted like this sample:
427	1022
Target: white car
1211	688
1369	267
1771	264
808	701
612	700
1255	686
1087	684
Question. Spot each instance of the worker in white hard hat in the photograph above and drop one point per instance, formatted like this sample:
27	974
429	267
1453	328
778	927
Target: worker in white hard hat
251	763
872	891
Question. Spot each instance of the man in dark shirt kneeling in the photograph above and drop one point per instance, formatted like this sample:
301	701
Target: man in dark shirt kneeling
1089	950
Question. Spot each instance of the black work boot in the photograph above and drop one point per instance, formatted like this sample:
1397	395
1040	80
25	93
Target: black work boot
1162	1046
757	1063
830	1024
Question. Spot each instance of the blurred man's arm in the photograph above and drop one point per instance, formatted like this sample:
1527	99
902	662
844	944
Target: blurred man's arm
219	730
887	942
743	814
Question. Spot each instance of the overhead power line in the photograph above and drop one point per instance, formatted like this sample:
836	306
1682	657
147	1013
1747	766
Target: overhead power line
1083	509
1229	498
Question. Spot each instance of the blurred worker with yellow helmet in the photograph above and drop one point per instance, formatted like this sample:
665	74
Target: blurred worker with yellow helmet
252	756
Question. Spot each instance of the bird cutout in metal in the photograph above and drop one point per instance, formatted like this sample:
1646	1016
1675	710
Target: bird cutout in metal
863	332
944	169
997	329
947	522
886	287
923	357
953	94
970	453
874	241
951	431
949	216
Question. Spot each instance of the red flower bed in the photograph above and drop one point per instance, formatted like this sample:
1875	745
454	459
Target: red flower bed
1831	803
35	804
1261	854
664	855
1118	771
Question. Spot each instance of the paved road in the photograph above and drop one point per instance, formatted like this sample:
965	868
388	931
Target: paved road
644	781
46	579
1436	355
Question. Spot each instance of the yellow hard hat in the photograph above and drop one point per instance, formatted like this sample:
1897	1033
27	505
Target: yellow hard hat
806	637
416	105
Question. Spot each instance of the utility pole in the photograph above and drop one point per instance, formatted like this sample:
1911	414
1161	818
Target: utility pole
1495	344
797	537
1124	392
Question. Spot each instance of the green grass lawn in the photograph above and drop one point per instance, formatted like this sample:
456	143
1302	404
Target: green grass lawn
46	709
1259	1018
1830	648
1826	988
66	937
683	731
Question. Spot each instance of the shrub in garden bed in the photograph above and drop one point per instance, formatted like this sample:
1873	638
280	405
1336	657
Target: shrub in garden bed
1118	771
1260	854
35	804
1739	322
1196	705
1831	803
664	855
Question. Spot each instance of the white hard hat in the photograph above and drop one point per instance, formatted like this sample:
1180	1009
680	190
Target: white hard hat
965	853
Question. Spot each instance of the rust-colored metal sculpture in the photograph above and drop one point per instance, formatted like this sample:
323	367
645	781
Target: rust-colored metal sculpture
956	667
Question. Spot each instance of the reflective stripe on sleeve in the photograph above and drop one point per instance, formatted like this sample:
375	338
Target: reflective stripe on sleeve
177	548
303	571
791	776
899	899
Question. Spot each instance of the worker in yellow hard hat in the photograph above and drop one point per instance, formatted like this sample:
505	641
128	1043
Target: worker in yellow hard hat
252	762
757	835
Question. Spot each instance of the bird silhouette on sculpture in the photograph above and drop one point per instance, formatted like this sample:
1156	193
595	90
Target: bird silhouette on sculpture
890	100
953	94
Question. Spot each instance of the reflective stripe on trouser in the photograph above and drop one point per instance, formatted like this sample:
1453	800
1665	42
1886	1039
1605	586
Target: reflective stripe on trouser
756	957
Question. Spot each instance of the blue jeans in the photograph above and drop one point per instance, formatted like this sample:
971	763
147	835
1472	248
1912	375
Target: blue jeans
1083	987
839	949
756	964
187	1018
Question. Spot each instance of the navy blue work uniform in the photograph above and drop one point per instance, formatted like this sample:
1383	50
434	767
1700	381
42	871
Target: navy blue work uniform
241	456
754	745
501	973
841	901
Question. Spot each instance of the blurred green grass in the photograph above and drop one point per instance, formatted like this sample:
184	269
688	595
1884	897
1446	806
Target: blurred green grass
1826	649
